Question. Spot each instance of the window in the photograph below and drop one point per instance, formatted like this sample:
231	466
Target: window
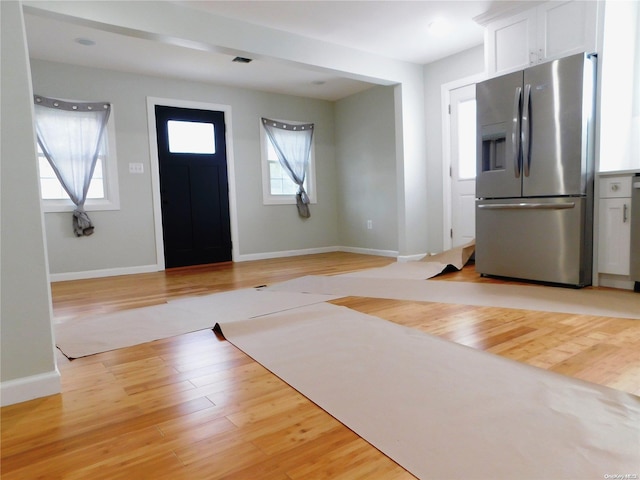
277	186
103	190
51	188
467	139
191	137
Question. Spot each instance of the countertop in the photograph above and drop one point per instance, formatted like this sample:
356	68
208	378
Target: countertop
619	172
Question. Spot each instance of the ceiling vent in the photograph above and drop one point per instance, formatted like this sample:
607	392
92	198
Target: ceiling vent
242	60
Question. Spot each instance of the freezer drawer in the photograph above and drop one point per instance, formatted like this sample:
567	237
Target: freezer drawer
545	240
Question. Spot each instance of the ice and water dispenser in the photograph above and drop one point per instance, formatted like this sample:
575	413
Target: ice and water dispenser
493	151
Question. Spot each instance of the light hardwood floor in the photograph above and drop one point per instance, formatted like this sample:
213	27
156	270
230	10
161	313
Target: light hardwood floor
195	407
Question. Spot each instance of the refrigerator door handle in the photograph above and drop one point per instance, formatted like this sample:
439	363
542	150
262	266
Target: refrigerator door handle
527	206
515	131
526	130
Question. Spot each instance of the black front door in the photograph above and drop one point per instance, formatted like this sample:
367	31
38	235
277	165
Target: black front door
193	186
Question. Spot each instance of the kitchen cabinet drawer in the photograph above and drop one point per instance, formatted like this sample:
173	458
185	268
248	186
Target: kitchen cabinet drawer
615	187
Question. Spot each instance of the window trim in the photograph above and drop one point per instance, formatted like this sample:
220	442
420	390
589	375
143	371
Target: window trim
111	200
267	197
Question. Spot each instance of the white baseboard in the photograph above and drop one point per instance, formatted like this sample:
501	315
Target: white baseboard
112	272
411	258
623	282
28	388
311	251
107	272
369	251
284	253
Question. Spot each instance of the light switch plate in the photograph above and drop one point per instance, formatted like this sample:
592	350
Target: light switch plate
136	168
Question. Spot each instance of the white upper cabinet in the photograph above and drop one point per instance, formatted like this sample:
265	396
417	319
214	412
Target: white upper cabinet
511	43
565	28
548	31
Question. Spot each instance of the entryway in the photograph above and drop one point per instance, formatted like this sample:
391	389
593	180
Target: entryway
194	192
459	160
463	164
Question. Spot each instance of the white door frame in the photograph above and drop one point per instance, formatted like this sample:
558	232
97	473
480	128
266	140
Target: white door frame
445	95
155	170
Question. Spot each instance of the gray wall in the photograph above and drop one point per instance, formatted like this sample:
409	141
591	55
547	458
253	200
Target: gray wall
358	131
26	344
125	238
455	67
276	228
365	149
356	169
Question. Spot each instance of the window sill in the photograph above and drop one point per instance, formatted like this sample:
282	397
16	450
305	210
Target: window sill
51	206
285	200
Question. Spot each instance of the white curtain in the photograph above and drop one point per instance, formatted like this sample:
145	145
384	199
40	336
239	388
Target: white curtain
292	143
70	136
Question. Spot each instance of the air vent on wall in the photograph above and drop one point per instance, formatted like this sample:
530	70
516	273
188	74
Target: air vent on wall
242	60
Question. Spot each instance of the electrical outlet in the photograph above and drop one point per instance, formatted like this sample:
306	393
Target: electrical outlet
369	224
136	168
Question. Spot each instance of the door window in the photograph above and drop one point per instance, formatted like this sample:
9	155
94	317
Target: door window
467	139
191	137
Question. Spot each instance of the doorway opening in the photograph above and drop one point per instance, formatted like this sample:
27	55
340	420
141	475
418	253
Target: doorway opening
459	161
192	185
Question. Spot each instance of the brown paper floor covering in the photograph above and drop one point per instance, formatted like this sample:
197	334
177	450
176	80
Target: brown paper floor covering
443	410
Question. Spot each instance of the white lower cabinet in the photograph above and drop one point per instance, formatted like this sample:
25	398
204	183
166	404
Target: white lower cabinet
614	236
614	230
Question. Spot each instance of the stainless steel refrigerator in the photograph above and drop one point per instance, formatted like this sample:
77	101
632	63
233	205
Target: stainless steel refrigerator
534	184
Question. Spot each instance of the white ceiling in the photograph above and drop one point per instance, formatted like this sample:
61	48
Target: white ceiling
394	29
